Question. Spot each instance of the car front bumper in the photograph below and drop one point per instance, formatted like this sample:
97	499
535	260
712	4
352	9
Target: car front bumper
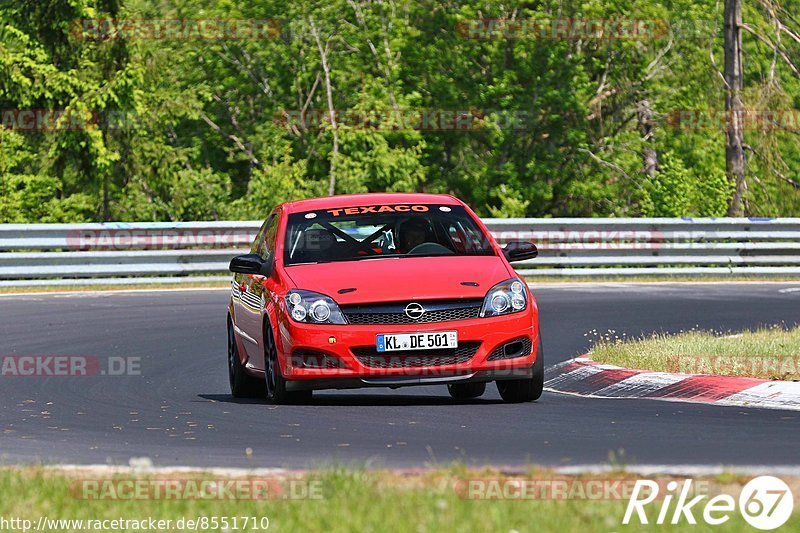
341	343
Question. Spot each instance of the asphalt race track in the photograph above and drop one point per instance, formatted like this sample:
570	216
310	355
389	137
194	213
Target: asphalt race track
179	411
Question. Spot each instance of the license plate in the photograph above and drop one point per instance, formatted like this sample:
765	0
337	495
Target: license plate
417	341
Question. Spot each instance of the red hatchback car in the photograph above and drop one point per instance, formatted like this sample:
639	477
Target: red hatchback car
381	290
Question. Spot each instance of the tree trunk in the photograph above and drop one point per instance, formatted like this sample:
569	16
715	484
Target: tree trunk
106	202
734	143
323	55
644	117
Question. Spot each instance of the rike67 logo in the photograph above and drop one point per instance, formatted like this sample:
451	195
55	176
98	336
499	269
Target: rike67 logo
766	503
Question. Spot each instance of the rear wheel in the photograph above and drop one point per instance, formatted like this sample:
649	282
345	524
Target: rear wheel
275	382
242	384
466	391
525	390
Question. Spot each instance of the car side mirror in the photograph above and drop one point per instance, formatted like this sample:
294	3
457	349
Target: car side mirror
250	264
520	251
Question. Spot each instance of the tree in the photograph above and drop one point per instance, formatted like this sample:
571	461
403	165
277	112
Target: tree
734	145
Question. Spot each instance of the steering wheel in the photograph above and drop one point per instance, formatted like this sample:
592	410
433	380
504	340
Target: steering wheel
430	248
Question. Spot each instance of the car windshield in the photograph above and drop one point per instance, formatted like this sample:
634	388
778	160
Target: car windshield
382	231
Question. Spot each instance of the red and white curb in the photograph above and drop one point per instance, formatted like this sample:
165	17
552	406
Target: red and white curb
584	377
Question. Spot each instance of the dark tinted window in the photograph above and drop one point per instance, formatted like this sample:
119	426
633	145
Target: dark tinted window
259	240
267	245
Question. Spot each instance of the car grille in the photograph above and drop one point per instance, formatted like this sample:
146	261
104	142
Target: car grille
369	356
435	311
517	348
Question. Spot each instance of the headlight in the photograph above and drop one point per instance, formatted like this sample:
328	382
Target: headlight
507	297
313	308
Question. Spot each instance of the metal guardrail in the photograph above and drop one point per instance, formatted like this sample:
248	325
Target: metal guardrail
129	253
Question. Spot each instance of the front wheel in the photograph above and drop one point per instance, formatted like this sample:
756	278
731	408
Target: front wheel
275	382
242	384
525	390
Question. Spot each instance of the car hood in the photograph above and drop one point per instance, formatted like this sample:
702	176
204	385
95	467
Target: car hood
399	279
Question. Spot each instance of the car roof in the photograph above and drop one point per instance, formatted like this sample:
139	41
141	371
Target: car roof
355	200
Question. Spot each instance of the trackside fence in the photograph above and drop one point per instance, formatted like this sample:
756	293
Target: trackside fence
131	253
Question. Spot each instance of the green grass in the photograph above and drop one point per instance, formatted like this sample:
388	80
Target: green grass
770	353
353	500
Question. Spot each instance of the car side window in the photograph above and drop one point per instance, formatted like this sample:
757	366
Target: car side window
259	240
267	247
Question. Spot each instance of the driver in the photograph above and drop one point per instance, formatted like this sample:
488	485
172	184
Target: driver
319	245
411	234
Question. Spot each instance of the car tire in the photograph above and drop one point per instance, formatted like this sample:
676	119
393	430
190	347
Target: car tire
525	390
242	384
273	376
466	391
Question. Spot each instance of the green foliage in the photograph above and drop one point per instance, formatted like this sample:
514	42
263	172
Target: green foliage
35	198
675	191
181	129
200	194
512	204
279	182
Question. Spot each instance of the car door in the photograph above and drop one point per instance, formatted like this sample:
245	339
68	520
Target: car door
242	312
238	282
255	297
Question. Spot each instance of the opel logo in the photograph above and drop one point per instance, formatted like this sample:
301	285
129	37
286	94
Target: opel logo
414	311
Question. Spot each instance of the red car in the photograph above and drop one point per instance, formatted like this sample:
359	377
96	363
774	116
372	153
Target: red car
385	290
